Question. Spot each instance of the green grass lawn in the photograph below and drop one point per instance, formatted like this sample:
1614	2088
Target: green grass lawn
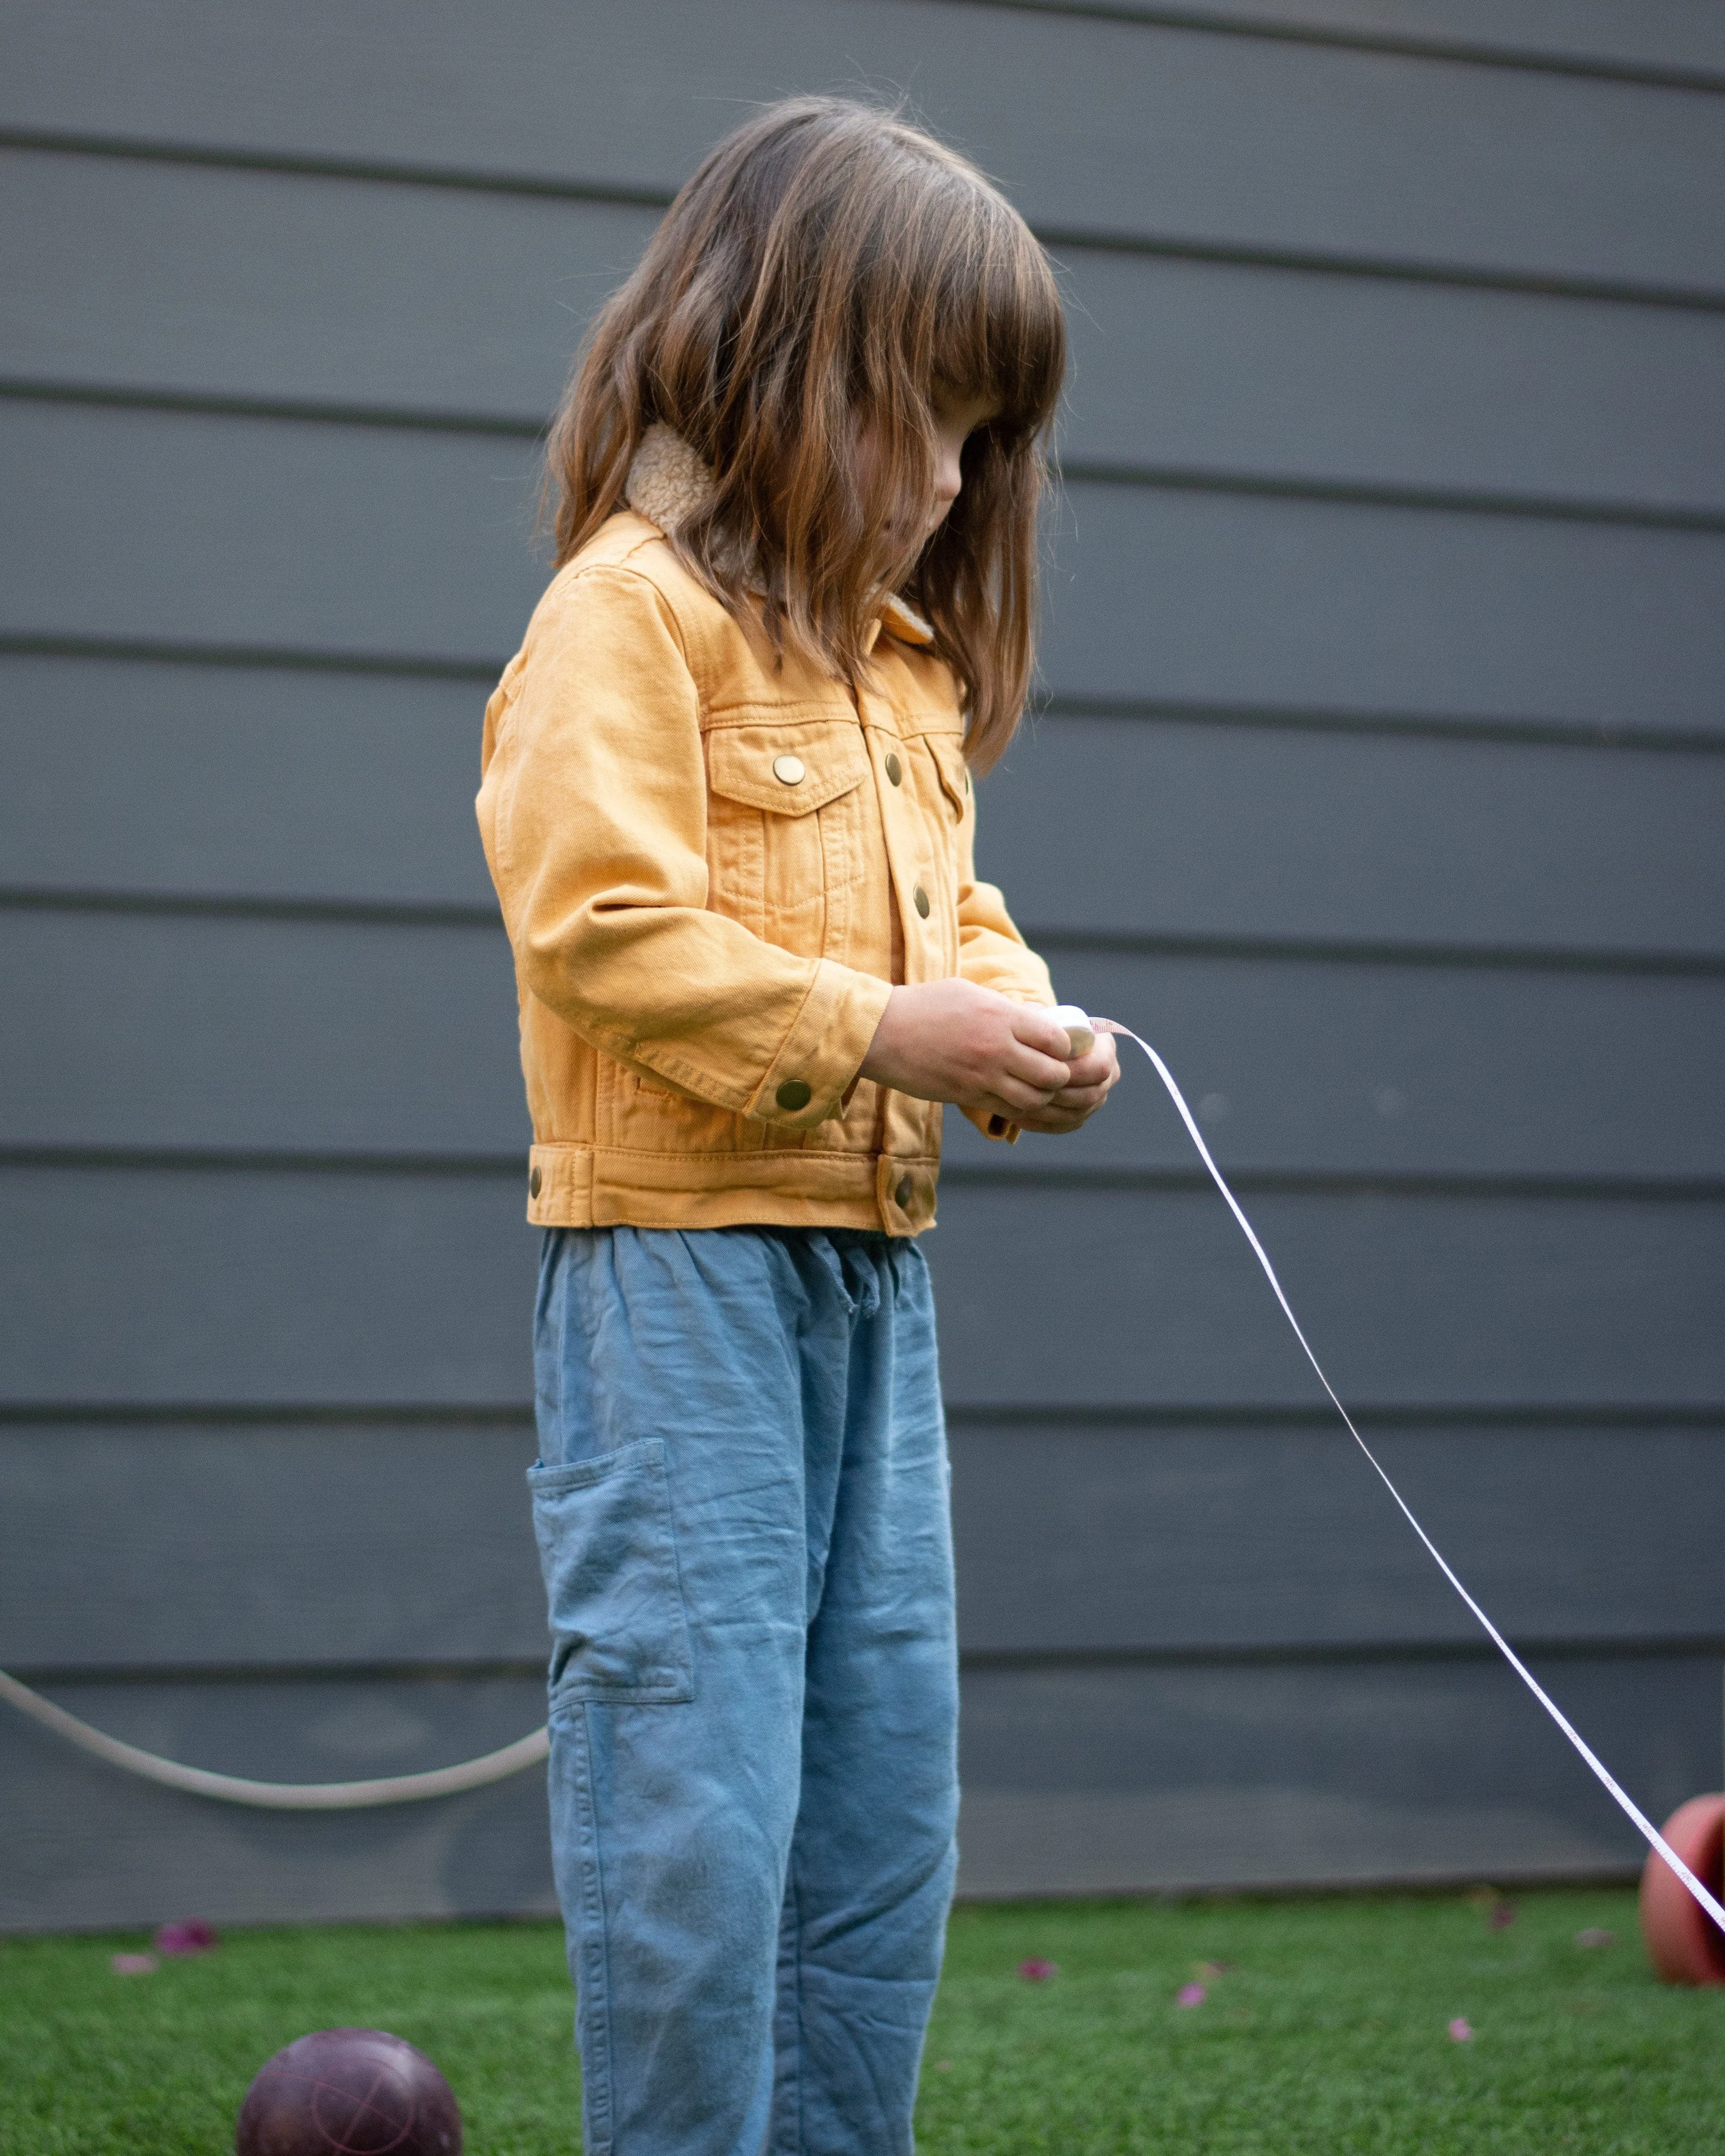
1325	2028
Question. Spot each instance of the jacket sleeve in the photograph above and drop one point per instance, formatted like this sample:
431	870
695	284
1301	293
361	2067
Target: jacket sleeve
993	953
592	809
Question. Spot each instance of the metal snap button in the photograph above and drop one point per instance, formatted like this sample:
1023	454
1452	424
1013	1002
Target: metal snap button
793	1094
894	770
905	1191
919	899
788	770
533	1184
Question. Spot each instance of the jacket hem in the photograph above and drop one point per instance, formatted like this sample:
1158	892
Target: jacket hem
580	1186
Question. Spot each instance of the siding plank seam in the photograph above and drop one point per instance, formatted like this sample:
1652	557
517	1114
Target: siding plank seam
1554	731
1634	291
1168	478
1463	52
1256	1653
1462	957
1485	1419
1296	718
1372	1182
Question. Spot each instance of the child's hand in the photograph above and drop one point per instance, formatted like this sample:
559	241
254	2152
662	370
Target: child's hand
1090	1080
952	1041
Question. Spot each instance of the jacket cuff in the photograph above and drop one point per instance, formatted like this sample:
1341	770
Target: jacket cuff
993	1126
812	1075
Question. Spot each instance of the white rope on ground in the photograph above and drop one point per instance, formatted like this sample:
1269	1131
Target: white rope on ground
278	1796
1630	1809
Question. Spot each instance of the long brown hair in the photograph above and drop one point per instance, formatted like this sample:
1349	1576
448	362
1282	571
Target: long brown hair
827	277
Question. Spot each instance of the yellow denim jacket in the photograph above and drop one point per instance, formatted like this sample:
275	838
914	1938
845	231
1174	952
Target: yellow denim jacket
712	867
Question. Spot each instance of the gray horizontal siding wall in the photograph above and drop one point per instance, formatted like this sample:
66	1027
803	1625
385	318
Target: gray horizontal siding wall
1377	775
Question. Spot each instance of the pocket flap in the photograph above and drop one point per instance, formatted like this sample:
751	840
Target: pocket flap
787	769
946	747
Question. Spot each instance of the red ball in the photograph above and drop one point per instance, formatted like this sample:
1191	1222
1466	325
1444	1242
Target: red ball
349	2092
1683	1942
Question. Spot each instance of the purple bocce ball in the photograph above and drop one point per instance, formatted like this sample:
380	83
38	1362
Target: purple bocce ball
349	2092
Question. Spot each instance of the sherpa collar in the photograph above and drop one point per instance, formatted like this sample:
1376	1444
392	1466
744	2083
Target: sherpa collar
668	483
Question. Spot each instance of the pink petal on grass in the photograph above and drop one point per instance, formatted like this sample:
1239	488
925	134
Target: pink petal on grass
191	1935
133	1964
1460	2032
1190	1995
1502	1915
1036	1971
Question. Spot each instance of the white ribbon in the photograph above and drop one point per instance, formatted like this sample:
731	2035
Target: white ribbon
1630	1809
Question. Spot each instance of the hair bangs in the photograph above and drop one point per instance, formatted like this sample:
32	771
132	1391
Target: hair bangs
999	328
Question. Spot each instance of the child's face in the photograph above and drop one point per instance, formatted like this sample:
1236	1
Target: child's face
954	426
954	422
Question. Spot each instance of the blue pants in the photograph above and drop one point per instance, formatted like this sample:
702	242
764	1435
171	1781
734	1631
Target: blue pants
741	1511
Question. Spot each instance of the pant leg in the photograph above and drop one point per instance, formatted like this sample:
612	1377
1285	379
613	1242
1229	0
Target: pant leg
875	1851
671	1514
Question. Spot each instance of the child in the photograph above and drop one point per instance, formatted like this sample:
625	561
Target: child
727	805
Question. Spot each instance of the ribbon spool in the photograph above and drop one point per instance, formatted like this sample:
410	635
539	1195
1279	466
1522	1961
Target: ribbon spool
1081	1034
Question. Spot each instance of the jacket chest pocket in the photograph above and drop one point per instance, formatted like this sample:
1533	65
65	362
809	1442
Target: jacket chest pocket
949	797
787	827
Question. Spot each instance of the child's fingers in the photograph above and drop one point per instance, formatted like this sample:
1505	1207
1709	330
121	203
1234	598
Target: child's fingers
1101	1067
1086	1099
1094	1066
1008	1097
1086	1092
1070	1109
1051	1122
1030	1067
1036	1028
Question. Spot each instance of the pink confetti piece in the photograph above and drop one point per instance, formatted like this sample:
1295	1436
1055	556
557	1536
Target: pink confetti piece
190	1935
1594	1936
1190	1995
1502	1915
1036	1971
133	1964
1460	2032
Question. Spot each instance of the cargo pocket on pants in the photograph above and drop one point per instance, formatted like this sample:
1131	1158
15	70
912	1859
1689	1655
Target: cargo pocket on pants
612	1586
